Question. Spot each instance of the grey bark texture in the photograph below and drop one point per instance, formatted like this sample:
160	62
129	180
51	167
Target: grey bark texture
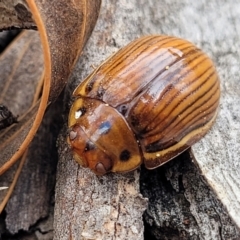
190	197
195	196
32	197
29	211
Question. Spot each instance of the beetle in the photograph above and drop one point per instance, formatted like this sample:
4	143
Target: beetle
147	103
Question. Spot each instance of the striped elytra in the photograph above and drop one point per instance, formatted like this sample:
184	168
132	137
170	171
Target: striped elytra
146	104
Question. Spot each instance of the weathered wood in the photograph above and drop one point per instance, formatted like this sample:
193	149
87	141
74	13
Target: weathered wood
181	204
213	26
87	206
82	199
64	29
218	155
32	196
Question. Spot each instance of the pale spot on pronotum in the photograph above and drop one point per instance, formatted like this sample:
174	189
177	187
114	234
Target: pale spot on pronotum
78	114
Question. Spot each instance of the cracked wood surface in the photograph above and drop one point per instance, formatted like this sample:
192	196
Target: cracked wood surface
184	201
87	206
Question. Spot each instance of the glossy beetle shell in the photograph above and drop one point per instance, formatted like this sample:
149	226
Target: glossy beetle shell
148	103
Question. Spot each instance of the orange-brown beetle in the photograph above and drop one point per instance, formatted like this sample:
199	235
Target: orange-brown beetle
148	103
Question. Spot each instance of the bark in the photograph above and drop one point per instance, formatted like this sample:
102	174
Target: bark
184	203
92	207
64	29
195	196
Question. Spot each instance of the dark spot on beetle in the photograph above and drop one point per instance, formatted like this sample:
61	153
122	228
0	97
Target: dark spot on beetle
122	109
89	146
105	127
94	77
89	87
134	121
125	155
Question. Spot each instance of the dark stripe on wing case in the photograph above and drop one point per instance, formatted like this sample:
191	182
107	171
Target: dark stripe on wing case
174	96
196	115
159	146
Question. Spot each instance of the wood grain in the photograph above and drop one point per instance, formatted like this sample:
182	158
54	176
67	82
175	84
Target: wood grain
88	207
217	155
64	28
217	33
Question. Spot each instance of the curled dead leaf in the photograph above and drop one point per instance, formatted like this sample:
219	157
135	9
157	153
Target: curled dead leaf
41	63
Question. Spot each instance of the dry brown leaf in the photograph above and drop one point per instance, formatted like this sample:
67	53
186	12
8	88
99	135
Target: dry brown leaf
21	68
64	27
